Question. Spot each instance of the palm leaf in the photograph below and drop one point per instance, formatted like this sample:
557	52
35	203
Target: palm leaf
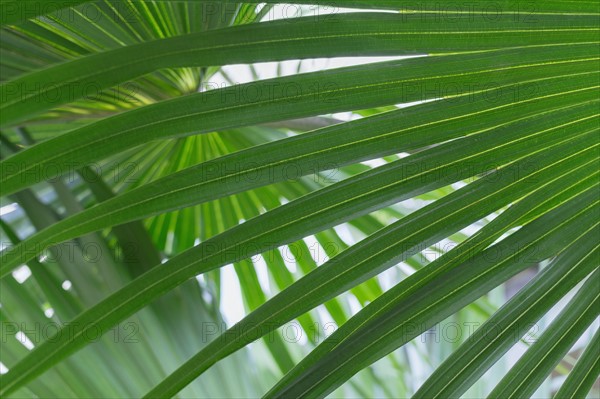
486	140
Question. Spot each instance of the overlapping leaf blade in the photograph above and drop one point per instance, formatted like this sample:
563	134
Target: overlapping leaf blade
375	332
543	110
373	34
323	92
350	142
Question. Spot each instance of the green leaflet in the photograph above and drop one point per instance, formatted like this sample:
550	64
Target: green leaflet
15	11
392	132
301	217
366	34
291	97
581	379
504	329
375	189
415	305
540	359
376	253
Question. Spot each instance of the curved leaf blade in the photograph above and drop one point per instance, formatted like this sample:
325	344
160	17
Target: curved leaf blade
540	359
314	93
